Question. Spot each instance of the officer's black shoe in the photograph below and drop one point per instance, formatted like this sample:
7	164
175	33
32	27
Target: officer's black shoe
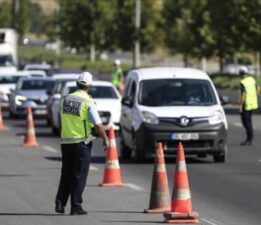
78	212
59	208
247	142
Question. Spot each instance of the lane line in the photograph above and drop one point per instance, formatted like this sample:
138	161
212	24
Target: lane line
50	149
237	124
135	187
210	222
93	168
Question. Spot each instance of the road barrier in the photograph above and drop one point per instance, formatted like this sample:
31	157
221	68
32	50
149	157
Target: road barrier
181	205
159	196
30	139
112	172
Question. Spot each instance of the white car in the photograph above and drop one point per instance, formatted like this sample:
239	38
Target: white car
47	68
107	99
7	83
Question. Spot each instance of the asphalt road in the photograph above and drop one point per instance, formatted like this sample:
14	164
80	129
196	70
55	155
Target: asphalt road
222	193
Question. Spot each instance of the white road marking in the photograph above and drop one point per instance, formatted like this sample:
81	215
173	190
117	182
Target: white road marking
50	149
237	124
93	168
135	187
210	222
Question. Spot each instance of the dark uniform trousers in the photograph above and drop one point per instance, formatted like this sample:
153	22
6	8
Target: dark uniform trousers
75	167
246	117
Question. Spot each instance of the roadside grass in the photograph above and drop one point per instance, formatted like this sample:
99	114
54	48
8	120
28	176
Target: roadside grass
105	67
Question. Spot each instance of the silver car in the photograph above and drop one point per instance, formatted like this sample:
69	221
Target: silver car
30	92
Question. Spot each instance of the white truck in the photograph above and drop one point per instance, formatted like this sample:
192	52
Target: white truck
8	50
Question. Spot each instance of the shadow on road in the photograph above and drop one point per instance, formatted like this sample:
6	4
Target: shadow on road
32	214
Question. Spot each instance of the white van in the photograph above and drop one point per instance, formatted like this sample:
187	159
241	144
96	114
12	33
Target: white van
172	105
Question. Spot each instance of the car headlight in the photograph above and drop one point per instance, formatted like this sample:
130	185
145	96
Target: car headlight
19	99
215	118
149	117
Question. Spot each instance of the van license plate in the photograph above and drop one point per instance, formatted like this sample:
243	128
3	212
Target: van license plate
184	136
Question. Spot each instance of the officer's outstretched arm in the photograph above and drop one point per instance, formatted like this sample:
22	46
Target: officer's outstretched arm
101	132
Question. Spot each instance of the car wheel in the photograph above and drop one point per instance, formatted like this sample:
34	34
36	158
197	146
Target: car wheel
137	154
220	157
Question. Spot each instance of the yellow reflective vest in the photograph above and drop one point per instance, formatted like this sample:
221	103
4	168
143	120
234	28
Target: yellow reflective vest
75	123
116	77
251	101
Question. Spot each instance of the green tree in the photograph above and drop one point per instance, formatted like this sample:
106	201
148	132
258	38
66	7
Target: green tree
86	25
186	28
21	18
124	32
5	14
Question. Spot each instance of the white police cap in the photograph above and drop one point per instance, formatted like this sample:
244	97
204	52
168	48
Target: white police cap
85	78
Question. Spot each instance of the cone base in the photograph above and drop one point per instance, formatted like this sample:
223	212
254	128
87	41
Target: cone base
112	185
157	210
31	145
175	215
173	221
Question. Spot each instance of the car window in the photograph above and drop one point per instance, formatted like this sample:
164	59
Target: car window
103	92
9	79
176	92
6	60
69	90
37	85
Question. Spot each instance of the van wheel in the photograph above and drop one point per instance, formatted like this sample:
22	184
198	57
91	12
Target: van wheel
124	150
220	157
137	155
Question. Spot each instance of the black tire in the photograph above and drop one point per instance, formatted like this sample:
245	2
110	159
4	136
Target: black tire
124	150
220	157
137	154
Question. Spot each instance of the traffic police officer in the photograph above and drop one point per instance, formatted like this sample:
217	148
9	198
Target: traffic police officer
78	116
117	76
248	102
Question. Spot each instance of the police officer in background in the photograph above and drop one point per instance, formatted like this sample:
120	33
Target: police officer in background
78	116
248	102
117	76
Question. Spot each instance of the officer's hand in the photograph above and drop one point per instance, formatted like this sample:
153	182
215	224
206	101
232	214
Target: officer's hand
240	108
106	144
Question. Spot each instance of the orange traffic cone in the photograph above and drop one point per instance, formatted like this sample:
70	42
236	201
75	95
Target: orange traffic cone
30	139
1	119
112	173
159	195
181	206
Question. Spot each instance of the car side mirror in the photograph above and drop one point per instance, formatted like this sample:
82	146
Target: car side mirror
224	99
127	101
56	96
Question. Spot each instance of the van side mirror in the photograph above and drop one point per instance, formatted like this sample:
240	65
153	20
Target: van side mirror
127	101
224	99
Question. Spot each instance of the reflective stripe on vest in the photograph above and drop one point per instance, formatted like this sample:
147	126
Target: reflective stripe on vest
251	101
75	122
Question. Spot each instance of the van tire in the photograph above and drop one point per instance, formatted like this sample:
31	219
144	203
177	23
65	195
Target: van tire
220	157
124	150
137	155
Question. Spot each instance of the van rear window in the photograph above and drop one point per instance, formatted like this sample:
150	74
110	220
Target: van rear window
176	92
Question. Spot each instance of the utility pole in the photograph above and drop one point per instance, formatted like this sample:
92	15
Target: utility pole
137	36
57	28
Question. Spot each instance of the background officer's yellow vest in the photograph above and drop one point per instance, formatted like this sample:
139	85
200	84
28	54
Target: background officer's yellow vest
251	101
76	125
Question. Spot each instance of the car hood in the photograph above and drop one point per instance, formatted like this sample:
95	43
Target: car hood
108	104
33	94
178	111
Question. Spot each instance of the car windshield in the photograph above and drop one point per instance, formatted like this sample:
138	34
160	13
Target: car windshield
9	79
37	85
102	92
69	90
176	92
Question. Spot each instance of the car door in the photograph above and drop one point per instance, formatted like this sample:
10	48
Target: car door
128	104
